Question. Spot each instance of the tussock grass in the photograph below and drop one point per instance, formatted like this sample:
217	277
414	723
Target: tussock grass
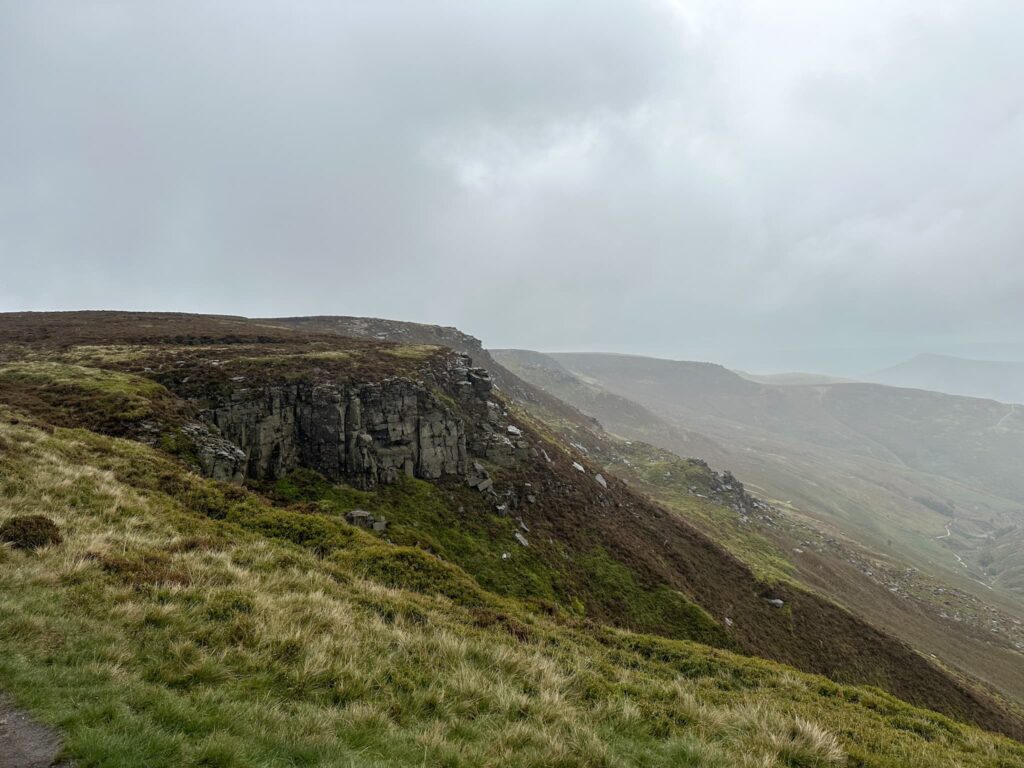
174	627
412	351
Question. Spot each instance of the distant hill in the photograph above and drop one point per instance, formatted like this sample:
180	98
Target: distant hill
969	440
876	461
991	379
794	379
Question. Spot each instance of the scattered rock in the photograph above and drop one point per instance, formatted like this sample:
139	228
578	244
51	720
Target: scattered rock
364	519
601	481
515	431
577	465
774	601
521	539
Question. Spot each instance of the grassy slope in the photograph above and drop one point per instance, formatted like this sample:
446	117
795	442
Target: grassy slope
157	635
872	461
870	451
952	623
814	635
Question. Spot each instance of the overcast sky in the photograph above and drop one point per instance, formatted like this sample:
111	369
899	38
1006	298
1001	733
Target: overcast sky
802	184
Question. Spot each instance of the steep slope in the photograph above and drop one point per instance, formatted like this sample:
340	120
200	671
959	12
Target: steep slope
979	635
324	423
172	626
580	434
885	463
975	441
989	379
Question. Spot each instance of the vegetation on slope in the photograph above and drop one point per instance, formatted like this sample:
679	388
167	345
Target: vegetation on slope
977	636
598	554
157	634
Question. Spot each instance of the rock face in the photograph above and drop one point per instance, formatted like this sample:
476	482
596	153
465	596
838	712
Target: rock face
218	458
366	433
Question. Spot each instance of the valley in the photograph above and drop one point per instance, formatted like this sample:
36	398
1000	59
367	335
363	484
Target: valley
526	580
850	523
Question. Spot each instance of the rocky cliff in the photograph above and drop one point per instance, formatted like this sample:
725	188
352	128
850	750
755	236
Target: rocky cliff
366	433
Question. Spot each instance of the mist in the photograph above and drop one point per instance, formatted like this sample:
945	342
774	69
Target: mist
764	184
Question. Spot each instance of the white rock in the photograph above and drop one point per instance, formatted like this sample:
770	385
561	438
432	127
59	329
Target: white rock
521	539
578	466
601	481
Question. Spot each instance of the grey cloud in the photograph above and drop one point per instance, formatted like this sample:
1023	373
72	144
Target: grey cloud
765	184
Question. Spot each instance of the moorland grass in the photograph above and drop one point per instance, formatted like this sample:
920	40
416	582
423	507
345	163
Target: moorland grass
159	635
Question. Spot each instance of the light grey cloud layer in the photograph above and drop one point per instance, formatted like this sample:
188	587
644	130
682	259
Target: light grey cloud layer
767	184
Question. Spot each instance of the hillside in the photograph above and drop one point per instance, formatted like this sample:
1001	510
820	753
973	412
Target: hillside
886	462
968	626
791	379
989	379
200	470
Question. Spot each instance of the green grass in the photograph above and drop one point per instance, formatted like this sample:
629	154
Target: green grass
93	395
424	516
182	623
462	527
412	351
669	479
649	609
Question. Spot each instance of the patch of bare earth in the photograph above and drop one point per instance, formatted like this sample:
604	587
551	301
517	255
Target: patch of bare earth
25	742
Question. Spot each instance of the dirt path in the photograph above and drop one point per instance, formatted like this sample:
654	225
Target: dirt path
959	559
999	424
25	742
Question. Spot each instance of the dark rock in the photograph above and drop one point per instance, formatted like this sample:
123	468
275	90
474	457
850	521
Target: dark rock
360	517
363	433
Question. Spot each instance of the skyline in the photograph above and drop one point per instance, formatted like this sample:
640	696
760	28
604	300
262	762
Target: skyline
771	186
